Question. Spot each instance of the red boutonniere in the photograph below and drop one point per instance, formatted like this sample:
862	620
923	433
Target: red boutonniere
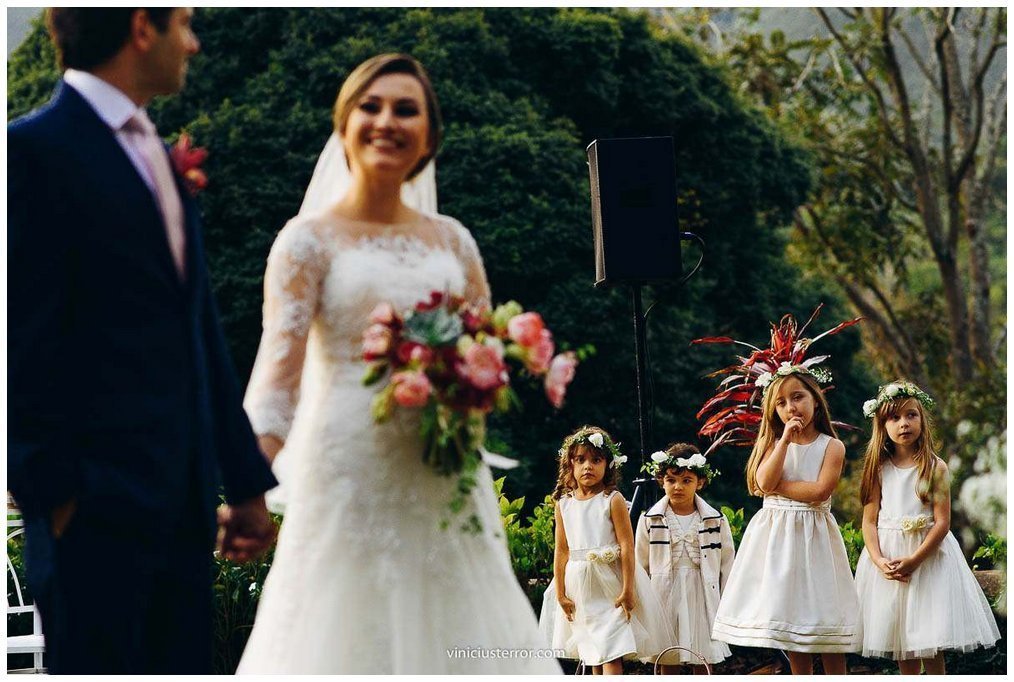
187	160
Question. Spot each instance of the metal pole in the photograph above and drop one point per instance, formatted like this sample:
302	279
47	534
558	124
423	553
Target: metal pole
638	502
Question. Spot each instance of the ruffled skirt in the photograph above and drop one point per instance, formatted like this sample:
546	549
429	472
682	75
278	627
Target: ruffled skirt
682	595
599	632
941	608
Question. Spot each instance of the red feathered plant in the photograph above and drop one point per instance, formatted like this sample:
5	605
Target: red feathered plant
732	416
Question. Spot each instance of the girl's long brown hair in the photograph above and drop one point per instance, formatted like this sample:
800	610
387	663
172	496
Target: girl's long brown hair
771	425
565	482
881	448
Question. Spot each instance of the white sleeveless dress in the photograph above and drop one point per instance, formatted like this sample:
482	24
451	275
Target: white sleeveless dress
942	607
791	587
600	632
364	580
682	590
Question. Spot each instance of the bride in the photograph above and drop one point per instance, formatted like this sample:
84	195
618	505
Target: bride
364	579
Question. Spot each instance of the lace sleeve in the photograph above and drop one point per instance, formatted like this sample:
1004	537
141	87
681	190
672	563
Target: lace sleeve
476	284
295	270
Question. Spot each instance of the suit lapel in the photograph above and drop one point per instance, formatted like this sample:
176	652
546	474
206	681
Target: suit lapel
191	228
100	147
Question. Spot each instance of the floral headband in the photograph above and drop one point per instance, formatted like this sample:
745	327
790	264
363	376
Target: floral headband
598	440
890	392
663	461
785	369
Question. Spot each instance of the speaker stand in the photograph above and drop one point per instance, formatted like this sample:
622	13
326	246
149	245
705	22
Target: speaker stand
643	490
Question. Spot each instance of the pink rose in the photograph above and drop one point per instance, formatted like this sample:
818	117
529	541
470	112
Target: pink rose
526	329
411	389
376	341
539	355
383	314
421	354
561	373
483	367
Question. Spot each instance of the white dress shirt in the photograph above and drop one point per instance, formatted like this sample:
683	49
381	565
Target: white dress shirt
115	109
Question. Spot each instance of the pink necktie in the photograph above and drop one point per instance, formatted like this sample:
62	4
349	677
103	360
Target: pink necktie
147	142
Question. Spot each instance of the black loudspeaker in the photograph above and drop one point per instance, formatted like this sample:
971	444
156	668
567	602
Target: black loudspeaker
634	219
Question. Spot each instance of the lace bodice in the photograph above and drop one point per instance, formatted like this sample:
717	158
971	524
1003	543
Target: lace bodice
683	538
325	274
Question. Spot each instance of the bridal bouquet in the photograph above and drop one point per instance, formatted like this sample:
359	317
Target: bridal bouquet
455	362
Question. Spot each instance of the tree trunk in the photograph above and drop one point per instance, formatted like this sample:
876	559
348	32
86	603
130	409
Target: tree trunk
978	260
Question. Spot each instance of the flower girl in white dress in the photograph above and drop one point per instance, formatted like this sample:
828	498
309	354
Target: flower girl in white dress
600	607
686	547
917	595
791	587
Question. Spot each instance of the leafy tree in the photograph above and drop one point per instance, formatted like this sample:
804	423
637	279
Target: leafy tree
523	91
904	112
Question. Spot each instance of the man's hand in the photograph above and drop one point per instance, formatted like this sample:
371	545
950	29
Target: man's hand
61	516
245	530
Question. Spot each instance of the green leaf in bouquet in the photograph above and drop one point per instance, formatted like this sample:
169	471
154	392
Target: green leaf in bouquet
375	372
514	351
504	312
437	327
383	404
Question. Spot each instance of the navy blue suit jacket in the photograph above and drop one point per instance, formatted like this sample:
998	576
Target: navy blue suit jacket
121	390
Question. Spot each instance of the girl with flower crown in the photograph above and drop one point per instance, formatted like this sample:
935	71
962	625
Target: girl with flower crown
791	587
686	548
599	607
917	596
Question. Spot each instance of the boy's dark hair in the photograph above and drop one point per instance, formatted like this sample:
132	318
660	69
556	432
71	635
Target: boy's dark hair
87	37
676	450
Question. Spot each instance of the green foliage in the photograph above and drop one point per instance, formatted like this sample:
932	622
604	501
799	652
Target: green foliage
531	545
237	590
522	91
854	543
736	523
993	549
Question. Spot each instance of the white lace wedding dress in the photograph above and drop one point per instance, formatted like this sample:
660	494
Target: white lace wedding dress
364	579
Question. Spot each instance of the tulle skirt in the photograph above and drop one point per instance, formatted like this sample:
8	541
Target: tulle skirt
941	608
791	587
682	595
600	632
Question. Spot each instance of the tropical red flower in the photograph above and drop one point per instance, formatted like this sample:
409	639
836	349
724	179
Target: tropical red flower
732	416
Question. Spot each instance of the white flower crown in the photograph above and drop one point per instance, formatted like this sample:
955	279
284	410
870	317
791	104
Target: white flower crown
902	389
822	375
662	461
598	440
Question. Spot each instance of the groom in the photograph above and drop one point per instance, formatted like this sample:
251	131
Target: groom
124	409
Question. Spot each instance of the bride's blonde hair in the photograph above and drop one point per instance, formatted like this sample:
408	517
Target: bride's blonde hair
381	65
